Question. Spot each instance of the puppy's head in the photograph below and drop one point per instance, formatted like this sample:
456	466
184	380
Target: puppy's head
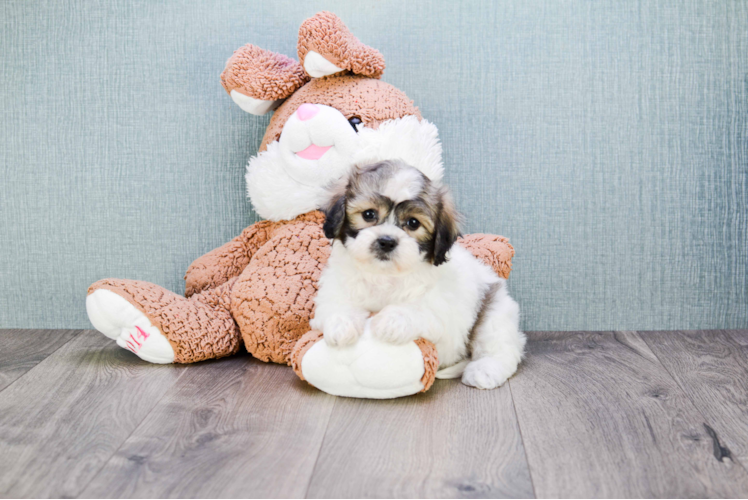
390	217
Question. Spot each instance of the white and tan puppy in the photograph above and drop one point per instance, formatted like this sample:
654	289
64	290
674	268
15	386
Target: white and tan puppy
394	256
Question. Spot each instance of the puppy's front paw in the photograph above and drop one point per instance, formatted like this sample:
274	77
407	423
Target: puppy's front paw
394	325
487	373
341	330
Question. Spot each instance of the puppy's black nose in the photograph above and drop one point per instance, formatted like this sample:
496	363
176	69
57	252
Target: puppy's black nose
387	243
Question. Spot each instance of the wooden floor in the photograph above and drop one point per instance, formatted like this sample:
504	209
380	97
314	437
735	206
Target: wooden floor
605	414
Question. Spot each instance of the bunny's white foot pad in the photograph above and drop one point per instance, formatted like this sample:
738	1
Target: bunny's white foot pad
119	320
368	369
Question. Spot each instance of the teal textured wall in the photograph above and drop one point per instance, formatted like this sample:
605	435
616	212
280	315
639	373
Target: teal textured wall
607	140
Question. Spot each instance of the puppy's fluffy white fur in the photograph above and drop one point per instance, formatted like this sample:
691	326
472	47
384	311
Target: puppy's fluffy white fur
461	305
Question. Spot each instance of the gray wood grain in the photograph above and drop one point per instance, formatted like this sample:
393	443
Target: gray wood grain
21	350
712	368
61	422
453	441
235	427
601	417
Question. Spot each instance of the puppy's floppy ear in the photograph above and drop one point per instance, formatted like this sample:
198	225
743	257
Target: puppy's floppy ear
334	217
446	227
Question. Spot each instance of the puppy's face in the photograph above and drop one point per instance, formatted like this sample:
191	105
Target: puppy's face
391	218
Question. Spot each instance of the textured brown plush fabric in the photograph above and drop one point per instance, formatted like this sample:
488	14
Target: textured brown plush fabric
494	250
203	326
326	34
273	299
373	101
430	362
300	349
262	74
229	260
259	288
197	328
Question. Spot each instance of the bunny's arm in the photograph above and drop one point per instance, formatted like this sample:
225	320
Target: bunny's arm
227	261
223	263
494	250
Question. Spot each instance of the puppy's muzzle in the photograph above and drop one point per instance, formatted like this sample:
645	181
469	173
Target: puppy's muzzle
384	245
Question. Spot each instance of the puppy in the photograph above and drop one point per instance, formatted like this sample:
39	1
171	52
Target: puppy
394	256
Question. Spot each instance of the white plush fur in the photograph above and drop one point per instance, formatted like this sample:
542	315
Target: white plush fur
413	298
282	186
254	106
370	368
317	66
414	141
119	320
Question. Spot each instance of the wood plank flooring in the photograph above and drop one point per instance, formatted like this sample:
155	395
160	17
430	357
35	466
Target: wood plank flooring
19	353
706	366
601	417
230	428
589	414
63	420
453	441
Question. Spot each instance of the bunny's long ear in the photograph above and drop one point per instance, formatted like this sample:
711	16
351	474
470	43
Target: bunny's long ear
327	47
258	80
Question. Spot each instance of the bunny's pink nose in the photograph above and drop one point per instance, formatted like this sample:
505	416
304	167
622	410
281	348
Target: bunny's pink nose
307	111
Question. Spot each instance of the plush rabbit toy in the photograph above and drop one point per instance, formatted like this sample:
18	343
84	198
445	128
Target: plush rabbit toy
331	113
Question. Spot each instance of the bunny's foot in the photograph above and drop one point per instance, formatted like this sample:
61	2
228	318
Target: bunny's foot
161	326
119	320
370	368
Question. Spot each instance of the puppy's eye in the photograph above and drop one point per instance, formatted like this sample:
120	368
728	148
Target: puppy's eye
369	215
355	121
413	224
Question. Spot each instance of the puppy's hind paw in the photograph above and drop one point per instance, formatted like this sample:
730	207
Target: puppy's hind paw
341	331
487	373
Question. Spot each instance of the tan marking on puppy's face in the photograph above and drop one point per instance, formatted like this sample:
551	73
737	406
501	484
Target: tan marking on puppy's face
389	211
391	193
367	211
416	217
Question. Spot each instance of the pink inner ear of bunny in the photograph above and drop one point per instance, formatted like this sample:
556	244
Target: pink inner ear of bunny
262	74
326	34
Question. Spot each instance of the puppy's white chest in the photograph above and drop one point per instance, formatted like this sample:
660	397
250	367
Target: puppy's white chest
374	295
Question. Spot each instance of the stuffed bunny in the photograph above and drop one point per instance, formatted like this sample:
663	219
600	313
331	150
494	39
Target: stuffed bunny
332	112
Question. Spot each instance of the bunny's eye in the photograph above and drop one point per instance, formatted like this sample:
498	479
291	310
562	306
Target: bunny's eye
355	121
